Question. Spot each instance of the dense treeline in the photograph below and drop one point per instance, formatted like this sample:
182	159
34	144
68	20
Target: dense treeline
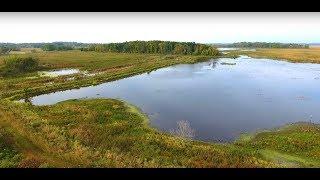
54	46
159	47
5	48
266	45
144	46
21	45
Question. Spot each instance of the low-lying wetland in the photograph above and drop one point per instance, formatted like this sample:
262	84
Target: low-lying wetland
83	127
220	102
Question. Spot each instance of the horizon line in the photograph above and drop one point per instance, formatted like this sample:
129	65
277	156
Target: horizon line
161	40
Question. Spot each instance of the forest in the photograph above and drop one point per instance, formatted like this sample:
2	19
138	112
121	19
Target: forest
150	47
5	48
157	47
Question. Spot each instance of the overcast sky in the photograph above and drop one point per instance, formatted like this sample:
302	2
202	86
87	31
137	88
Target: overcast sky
197	27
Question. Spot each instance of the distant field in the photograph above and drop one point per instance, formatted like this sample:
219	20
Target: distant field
311	55
315	46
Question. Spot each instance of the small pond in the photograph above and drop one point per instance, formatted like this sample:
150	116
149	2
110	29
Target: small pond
219	98
61	72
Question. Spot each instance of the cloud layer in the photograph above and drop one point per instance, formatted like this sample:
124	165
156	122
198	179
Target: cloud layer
198	27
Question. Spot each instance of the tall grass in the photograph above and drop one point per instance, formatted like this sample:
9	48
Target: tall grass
311	55
108	133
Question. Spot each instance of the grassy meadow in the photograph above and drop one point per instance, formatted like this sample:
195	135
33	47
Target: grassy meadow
310	55
112	133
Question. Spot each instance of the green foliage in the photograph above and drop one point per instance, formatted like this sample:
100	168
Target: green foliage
298	142
15	65
159	47
9	157
4	50
109	133
49	47
56	47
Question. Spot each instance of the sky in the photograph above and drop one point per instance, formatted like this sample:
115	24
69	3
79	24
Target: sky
194	27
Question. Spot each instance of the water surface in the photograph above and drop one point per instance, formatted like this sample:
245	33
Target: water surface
220	101
61	72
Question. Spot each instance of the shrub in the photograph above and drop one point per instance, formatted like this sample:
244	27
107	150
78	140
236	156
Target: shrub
17	65
184	130
4	50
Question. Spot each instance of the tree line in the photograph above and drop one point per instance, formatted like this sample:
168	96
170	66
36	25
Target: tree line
158	47
54	46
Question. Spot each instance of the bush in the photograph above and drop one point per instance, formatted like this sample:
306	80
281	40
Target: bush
17	65
4	50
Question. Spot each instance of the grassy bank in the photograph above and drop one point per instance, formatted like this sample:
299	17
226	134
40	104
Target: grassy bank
311	55
296	145
107	133
111	133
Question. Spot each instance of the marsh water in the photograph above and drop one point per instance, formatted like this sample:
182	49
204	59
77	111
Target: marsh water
219	98
61	72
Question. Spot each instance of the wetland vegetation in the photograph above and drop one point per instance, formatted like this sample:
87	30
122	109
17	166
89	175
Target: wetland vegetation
265	45
113	133
309	55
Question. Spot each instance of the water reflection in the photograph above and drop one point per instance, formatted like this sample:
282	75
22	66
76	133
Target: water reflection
219	101
60	72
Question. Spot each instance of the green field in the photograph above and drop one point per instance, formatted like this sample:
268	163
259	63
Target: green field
112	133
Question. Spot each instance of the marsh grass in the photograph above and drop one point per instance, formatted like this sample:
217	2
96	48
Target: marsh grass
310	55
109	133
9	156
299	142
